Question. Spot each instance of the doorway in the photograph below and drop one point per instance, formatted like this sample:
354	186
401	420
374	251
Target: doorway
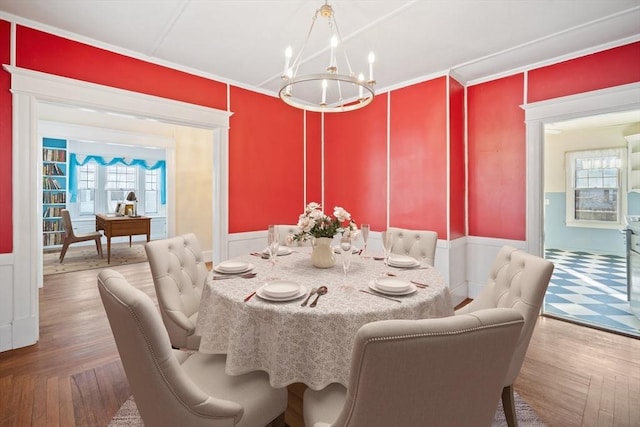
537	116
29	91
586	199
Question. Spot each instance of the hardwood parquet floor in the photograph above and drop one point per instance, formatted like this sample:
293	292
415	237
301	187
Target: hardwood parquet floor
572	375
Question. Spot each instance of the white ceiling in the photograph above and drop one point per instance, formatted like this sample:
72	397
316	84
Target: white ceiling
243	41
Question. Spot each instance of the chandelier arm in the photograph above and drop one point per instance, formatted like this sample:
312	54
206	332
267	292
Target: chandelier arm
298	60
334	23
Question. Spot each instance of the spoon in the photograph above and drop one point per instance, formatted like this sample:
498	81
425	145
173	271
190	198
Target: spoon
321	291
313	291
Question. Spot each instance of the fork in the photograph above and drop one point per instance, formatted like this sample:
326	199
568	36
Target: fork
244	276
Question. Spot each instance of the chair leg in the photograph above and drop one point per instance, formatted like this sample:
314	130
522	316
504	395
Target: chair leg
99	247
65	246
508	404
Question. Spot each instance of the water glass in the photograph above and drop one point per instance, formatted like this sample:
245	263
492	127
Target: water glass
345	247
273	244
364	228
388	239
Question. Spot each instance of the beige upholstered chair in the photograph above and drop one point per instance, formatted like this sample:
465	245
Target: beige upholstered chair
518	280
433	372
179	274
70	237
177	388
419	244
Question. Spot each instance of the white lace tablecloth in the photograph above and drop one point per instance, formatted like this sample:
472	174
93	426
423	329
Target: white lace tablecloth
303	344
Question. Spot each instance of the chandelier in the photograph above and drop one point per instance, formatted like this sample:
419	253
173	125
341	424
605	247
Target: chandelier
333	89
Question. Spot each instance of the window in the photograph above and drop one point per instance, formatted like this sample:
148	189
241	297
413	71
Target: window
87	188
596	195
151	193
120	181
101	185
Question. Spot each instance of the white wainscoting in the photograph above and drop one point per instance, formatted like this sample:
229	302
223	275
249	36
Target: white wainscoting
6	301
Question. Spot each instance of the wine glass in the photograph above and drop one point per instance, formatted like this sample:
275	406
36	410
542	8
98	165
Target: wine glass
274	244
364	228
345	247
387	241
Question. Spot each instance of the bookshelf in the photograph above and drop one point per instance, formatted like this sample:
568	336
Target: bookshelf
54	190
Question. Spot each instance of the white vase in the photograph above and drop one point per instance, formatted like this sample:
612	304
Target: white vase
322	255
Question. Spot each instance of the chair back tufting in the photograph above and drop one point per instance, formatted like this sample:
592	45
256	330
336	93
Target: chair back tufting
179	274
419	244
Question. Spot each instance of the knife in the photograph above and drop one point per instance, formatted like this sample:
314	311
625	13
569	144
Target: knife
378	295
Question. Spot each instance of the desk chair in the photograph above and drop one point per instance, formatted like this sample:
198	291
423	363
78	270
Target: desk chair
70	237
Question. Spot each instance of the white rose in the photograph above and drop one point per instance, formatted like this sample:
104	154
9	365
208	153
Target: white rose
313	206
341	214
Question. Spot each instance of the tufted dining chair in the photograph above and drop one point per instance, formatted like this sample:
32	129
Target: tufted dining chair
419	244
431	372
70	237
517	280
179	274
178	388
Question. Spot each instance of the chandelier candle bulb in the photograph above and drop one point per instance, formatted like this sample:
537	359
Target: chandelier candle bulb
332	60
372	59
324	92
287	55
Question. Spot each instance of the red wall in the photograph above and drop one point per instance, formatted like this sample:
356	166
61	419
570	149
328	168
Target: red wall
496	138
266	159
418	157
313	159
613	67
45	52
6	217
267	188
355	163
457	164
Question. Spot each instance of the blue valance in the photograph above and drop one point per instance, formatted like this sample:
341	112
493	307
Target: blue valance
74	163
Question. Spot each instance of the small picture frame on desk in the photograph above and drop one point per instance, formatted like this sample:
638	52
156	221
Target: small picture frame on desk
120	210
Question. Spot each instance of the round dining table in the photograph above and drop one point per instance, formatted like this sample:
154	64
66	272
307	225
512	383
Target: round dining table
310	345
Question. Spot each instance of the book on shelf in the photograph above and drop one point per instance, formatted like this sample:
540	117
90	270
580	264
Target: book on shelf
52	169
51	184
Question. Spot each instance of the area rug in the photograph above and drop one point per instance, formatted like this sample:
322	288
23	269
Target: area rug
128	416
80	257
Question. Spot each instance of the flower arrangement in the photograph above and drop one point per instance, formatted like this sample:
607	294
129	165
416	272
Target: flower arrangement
313	222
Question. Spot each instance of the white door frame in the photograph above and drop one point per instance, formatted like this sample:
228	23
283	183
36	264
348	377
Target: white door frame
19	322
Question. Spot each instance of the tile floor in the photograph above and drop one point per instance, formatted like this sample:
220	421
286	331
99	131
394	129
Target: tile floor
590	289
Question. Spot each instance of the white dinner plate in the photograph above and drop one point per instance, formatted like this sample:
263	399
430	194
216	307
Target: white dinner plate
282	250
280	288
392	284
338	250
403	261
233	267
412	289
302	290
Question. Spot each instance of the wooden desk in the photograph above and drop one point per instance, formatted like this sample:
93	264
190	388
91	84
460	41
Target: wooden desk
122	226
